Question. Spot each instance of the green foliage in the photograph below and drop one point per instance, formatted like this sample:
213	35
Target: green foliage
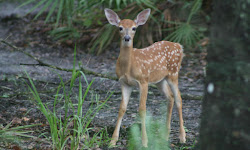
184	33
189	147
65	33
195	8
187	33
156	132
169	20
64	8
103	38
62	134
15	134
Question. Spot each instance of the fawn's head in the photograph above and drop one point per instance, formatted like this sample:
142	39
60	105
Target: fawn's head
127	27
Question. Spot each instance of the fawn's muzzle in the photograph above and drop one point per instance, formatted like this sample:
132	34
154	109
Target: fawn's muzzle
127	38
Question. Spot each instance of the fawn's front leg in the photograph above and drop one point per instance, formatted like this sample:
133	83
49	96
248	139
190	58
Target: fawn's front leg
126	92
142	112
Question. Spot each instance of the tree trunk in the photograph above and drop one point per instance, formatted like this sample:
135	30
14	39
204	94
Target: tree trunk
225	123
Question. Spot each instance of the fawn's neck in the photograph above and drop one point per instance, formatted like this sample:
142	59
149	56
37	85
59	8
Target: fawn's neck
125	57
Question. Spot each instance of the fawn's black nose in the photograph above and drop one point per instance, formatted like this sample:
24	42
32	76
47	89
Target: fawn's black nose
126	38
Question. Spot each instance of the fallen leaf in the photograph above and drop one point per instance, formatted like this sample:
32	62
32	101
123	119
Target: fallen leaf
16	121
26	119
23	109
16	148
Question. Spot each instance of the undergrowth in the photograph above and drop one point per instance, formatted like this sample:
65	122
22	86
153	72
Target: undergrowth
70	129
177	20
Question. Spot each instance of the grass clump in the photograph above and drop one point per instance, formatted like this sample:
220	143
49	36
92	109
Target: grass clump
14	135
70	128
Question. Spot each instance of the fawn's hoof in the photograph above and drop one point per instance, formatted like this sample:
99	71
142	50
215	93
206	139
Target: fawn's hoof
113	142
167	138
144	143
183	138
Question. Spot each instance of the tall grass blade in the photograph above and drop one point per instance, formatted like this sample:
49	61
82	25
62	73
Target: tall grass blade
59	13
52	9
36	6
44	8
196	6
26	3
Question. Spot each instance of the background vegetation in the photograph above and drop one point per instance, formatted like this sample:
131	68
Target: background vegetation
180	21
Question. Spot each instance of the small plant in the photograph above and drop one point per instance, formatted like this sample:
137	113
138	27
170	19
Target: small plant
184	33
189	147
64	9
68	130
187	33
65	33
14	135
156	132
64	12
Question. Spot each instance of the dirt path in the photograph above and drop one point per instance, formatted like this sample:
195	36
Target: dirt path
29	36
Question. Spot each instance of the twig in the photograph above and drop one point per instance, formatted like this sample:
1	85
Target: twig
41	63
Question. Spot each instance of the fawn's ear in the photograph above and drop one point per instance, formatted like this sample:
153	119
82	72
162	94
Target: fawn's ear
142	17
112	17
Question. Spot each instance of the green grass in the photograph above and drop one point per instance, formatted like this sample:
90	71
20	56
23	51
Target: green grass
71	130
156	132
188	147
14	135
64	9
65	33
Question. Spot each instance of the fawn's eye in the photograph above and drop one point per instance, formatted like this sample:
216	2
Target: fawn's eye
120	28
134	28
